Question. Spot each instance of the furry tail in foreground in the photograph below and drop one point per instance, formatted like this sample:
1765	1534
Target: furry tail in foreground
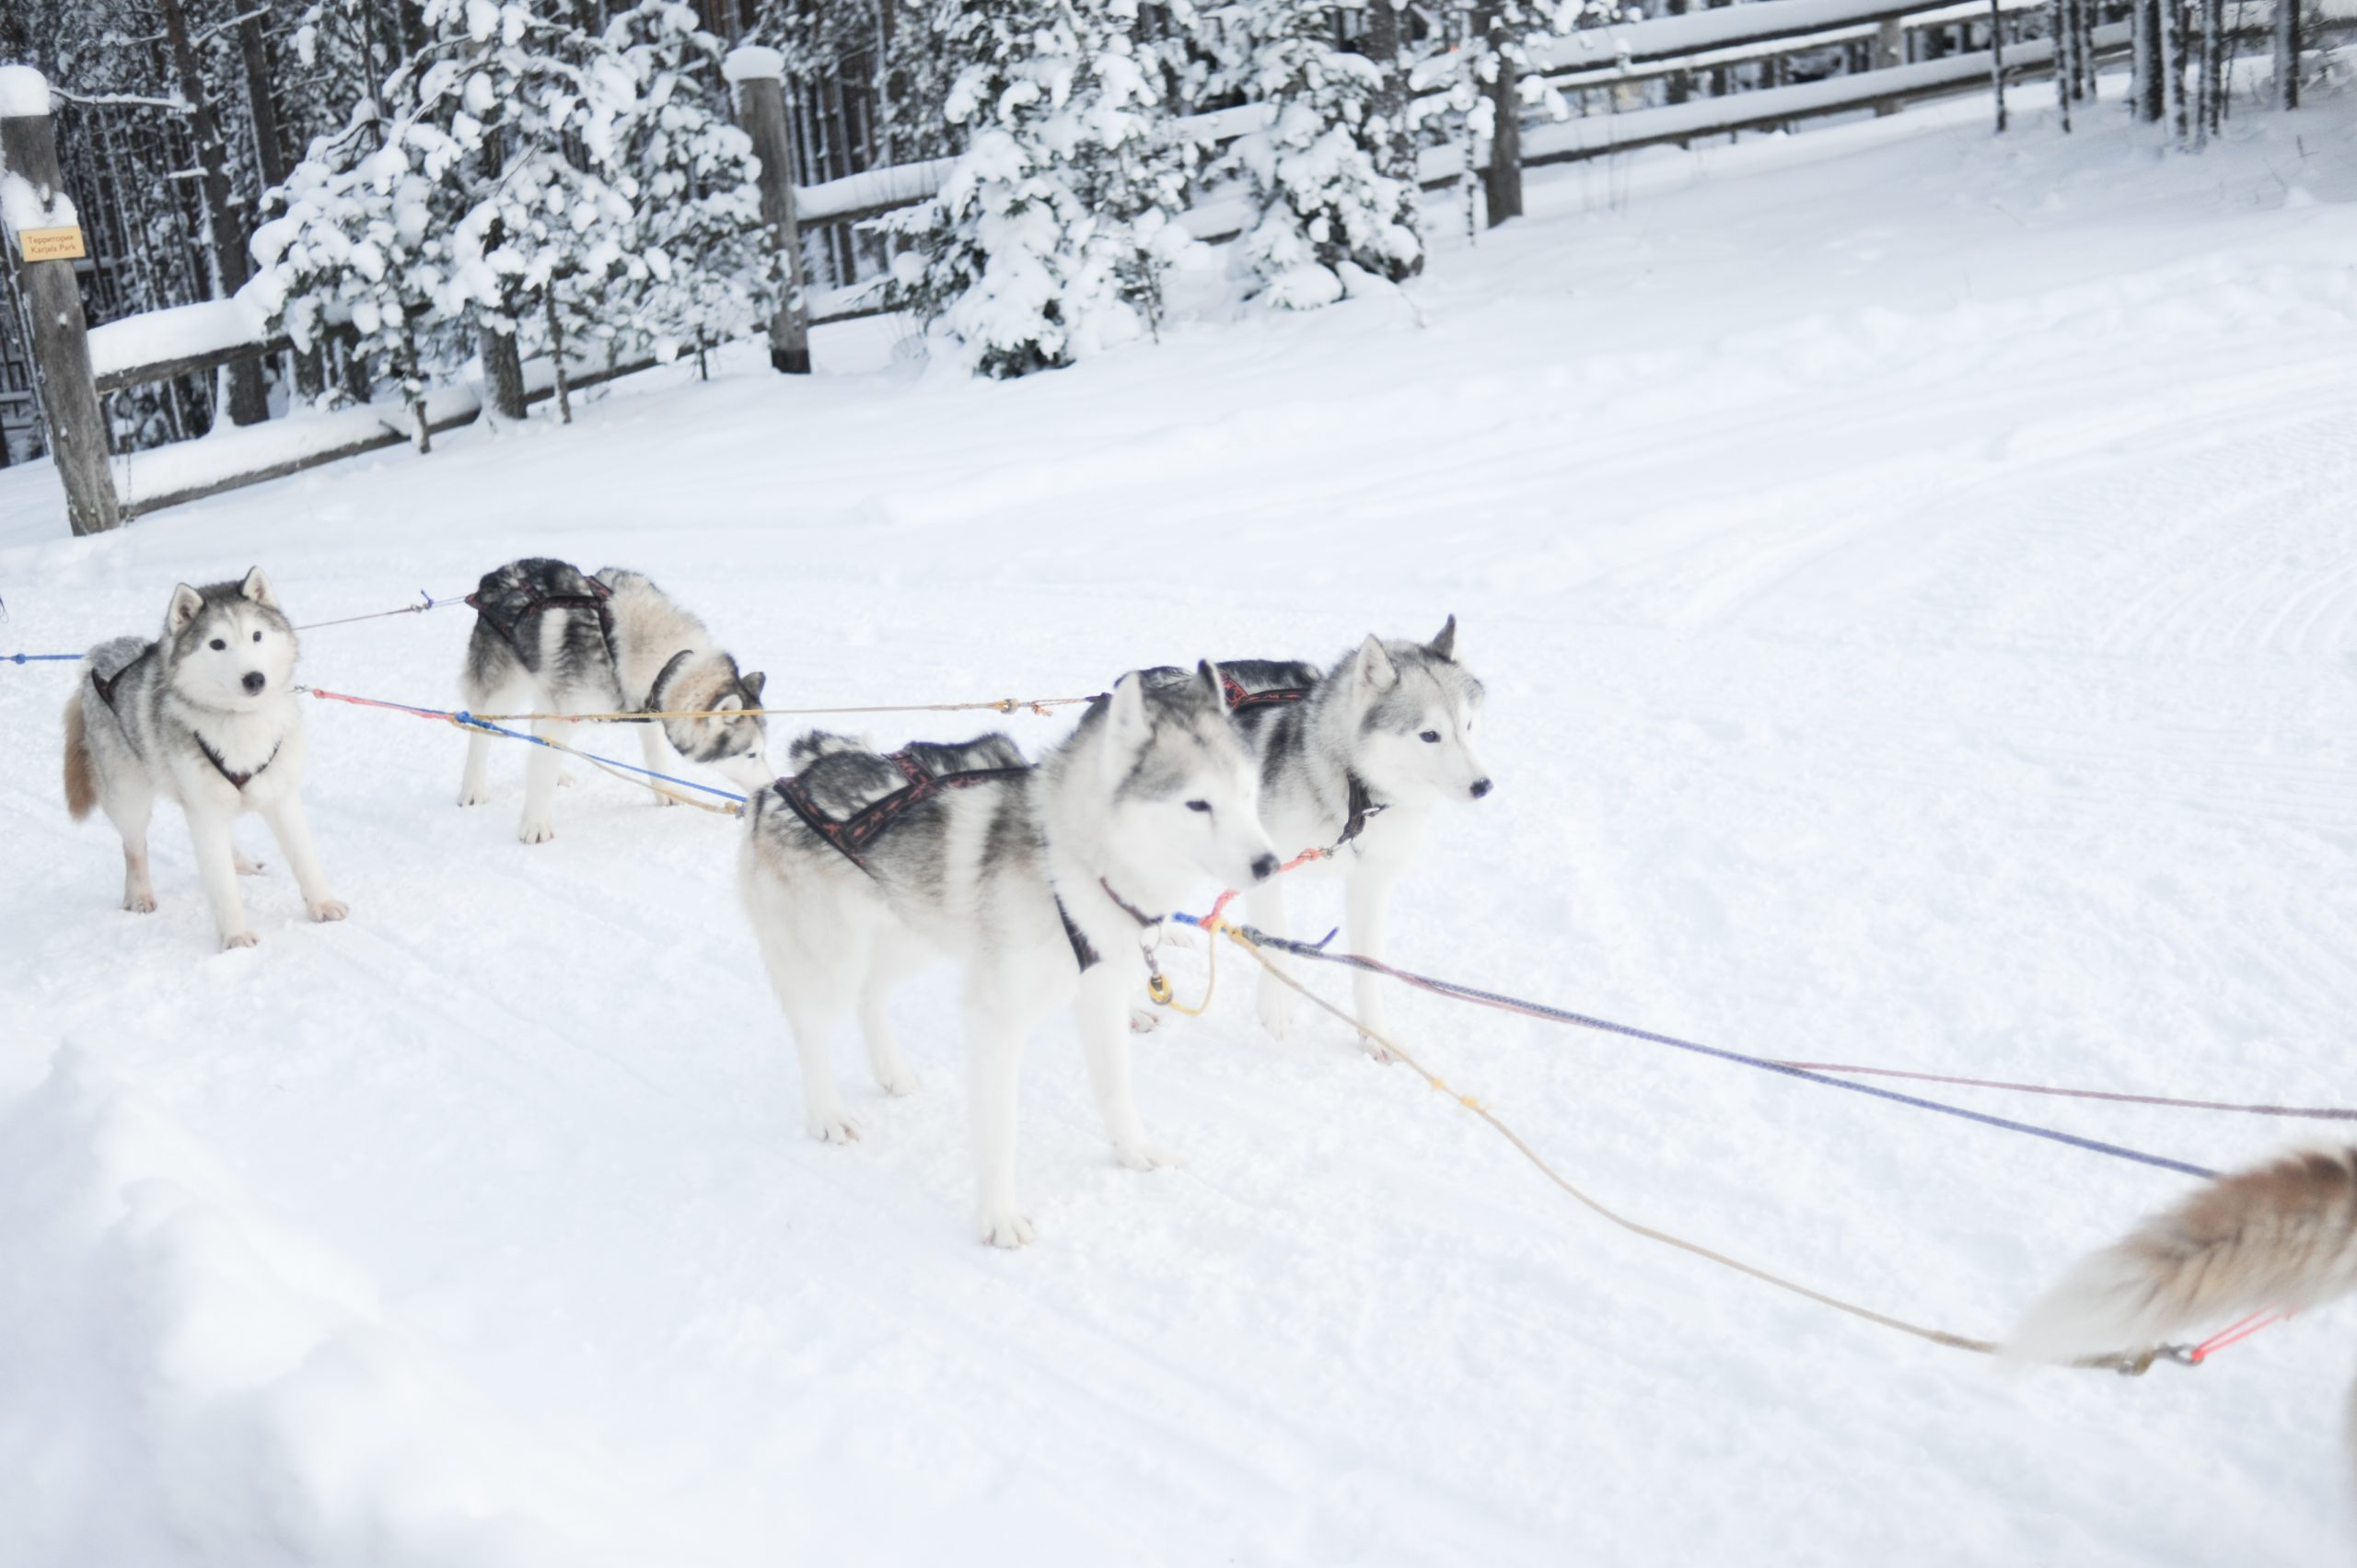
2280	1238
81	773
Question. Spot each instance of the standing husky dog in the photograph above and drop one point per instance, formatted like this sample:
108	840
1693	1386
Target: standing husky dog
2281	1237
207	716
1040	881
549	639
1355	760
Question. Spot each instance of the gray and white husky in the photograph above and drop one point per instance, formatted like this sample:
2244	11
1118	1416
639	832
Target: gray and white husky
1355	758
549	639
206	716
1040	881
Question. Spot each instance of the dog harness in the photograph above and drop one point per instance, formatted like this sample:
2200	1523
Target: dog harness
1260	683
105	686
928	768
506	610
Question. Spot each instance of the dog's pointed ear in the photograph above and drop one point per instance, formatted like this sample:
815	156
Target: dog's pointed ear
257	587
1444	645
1126	726
1376	668
187	605
754	684
1215	686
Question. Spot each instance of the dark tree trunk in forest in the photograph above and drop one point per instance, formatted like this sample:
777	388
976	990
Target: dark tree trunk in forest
270	151
1997	62
2287	53
2144	61
222	216
556	357
1501	185
1397	154
503	372
2173	70
2060	32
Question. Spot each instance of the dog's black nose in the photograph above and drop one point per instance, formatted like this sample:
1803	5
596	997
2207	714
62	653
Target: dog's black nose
1264	869
1480	788
254	682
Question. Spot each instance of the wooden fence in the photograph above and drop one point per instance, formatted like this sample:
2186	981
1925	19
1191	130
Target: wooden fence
75	365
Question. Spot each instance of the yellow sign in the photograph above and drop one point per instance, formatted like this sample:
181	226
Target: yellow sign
51	245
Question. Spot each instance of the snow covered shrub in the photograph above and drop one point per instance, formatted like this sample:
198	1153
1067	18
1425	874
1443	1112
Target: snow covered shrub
479	201
710	273
1053	230
1326	210
362	243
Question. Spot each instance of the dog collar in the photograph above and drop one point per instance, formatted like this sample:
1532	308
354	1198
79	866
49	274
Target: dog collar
1361	806
236	780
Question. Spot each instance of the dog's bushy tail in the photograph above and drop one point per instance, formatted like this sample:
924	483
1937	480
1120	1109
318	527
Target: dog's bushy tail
2282	1237
81	767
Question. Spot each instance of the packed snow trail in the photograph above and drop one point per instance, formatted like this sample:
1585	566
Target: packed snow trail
1912	573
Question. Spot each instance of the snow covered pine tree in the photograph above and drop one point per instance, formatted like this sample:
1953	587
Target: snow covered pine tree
480	211
1054	228
692	179
1327	217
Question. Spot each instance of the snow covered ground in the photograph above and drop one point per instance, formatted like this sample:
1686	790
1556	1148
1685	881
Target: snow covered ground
1913	575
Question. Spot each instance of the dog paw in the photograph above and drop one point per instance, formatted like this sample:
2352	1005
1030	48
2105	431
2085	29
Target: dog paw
831	1127
663	799
329	909
1176	935
1276	1012
1376	1050
139	903
239	939
896	1081
536	833
1144	1020
1143	1156
1006	1227
567	779
251	867
474	797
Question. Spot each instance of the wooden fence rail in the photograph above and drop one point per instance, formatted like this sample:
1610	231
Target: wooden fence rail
189	339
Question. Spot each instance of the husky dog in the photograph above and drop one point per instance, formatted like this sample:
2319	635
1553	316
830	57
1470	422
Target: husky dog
1354	760
2280	1238
551	640
1042	882
207	716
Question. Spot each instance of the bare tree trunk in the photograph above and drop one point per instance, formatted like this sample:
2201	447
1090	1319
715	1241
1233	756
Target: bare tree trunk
2058	31
503	372
2144	61
1997	62
270	152
2173	70
226	238
2216	55
1503	187
556	358
2287	53
2083	46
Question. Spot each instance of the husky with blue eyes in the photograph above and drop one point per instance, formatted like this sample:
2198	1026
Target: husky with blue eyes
1041	882
1354	758
207	714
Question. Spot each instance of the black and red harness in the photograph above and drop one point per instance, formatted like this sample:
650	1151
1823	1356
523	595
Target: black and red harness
851	835
506	612
1292	682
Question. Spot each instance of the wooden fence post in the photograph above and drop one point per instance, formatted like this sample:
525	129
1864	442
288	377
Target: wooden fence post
1503	180
1891	52
44	251
758	76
